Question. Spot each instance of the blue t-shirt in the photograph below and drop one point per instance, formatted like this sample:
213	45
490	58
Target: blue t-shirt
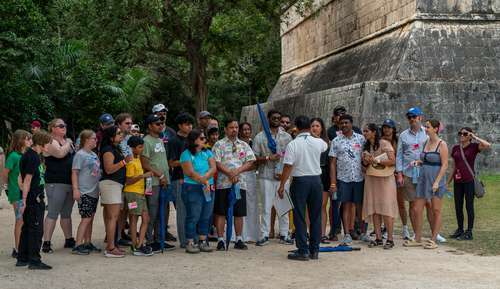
199	162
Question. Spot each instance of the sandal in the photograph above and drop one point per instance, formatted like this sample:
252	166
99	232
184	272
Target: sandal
389	244
375	243
431	245
412	243
325	240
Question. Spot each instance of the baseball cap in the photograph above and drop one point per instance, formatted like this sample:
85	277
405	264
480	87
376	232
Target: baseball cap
414	111
339	109
106	119
152	118
211	128
36	123
204	114
159	107
390	123
135	127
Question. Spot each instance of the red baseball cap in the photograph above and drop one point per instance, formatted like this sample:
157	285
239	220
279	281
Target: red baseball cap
36	123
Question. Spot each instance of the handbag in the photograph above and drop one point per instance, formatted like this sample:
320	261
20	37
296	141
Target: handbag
479	189
378	170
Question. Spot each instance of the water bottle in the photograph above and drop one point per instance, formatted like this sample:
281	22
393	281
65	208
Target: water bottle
237	192
414	174
149	186
207	193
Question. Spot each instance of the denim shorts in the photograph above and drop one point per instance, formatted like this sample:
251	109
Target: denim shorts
17	209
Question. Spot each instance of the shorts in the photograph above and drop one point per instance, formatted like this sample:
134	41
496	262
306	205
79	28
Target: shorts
409	189
221	203
17	209
351	192
139	200
87	206
59	200
111	192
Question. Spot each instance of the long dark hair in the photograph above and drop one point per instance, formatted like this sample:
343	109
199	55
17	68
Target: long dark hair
323	134
192	136
240	129
374	128
108	136
394	137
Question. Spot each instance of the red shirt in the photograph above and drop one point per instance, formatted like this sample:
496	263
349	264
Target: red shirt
461	173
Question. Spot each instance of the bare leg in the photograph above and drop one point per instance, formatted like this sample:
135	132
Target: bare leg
377	224
88	234
238	225
220	222
273	221
437	204
17	229
402	208
67	227
418	213
412	215
81	231
48	228
389	224
133	229
144	227
430	215
112	217
323	214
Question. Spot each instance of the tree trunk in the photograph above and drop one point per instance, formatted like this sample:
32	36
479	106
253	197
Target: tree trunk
198	63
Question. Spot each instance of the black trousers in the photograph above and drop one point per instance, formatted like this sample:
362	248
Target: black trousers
307	192
461	191
31	232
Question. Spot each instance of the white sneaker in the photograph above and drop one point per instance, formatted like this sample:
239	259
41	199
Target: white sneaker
347	239
365	238
406	233
440	239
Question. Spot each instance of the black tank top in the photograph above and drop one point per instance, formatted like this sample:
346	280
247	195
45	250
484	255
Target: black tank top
59	170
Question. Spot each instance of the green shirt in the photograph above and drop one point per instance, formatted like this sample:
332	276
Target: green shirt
154	151
12	164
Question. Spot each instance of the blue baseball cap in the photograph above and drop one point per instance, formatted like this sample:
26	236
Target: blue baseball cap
390	123
414	111
106	119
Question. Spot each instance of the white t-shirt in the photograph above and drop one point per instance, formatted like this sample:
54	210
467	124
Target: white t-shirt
304	153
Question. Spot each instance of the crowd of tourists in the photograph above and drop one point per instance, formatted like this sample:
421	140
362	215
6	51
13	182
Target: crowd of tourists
341	176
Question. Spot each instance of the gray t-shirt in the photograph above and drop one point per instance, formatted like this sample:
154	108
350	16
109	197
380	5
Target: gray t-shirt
89	173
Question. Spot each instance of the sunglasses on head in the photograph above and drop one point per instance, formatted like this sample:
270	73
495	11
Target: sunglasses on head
463	133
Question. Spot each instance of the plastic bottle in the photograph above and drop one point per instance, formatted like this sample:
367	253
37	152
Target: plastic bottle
237	192
207	193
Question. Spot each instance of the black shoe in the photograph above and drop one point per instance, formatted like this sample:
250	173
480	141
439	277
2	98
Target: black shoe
39	266
221	246
155	247
14	254
170	238
70	243
125	236
355	236
298	257
466	236
21	263
80	250
124	243
458	233
264	241
93	248
47	248
314	256
168	247
240	245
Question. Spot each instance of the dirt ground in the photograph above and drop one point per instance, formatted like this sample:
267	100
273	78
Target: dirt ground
259	267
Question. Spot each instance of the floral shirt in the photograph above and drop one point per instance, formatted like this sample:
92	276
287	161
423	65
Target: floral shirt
348	152
231	155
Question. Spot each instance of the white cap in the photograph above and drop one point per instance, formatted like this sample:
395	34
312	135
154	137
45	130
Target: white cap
135	127
159	107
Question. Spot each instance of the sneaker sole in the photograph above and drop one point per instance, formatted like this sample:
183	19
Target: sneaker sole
142	254
262	244
80	253
107	255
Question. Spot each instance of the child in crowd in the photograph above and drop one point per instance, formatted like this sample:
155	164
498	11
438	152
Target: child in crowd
135	199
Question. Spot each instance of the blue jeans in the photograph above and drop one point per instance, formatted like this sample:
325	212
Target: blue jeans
307	192
198	210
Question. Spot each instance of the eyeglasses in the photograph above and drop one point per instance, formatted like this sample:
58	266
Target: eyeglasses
61	125
463	133
158	123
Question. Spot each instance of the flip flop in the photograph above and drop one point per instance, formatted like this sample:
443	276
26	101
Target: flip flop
412	243
431	245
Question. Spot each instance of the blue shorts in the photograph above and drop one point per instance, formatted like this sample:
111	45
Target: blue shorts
351	192
17	209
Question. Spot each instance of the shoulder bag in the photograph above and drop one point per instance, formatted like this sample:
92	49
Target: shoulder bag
479	190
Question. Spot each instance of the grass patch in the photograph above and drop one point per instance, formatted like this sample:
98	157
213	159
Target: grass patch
487	220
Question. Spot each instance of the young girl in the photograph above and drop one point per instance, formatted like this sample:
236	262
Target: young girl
21	140
135	199
32	173
85	181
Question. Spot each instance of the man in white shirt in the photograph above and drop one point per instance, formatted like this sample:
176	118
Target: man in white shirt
302	162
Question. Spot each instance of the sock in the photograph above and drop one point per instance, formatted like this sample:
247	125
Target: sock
239	238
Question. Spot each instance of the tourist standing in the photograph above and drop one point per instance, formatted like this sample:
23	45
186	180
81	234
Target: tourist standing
270	167
154	159
469	146
199	167
251	228
113	178
176	146
233	157
21	140
32	170
85	176
58	160
204	118
380	196
302	163
346	176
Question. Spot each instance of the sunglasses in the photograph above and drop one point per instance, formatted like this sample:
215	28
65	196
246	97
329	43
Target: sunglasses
411	116
158	123
202	138
463	133
61	126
